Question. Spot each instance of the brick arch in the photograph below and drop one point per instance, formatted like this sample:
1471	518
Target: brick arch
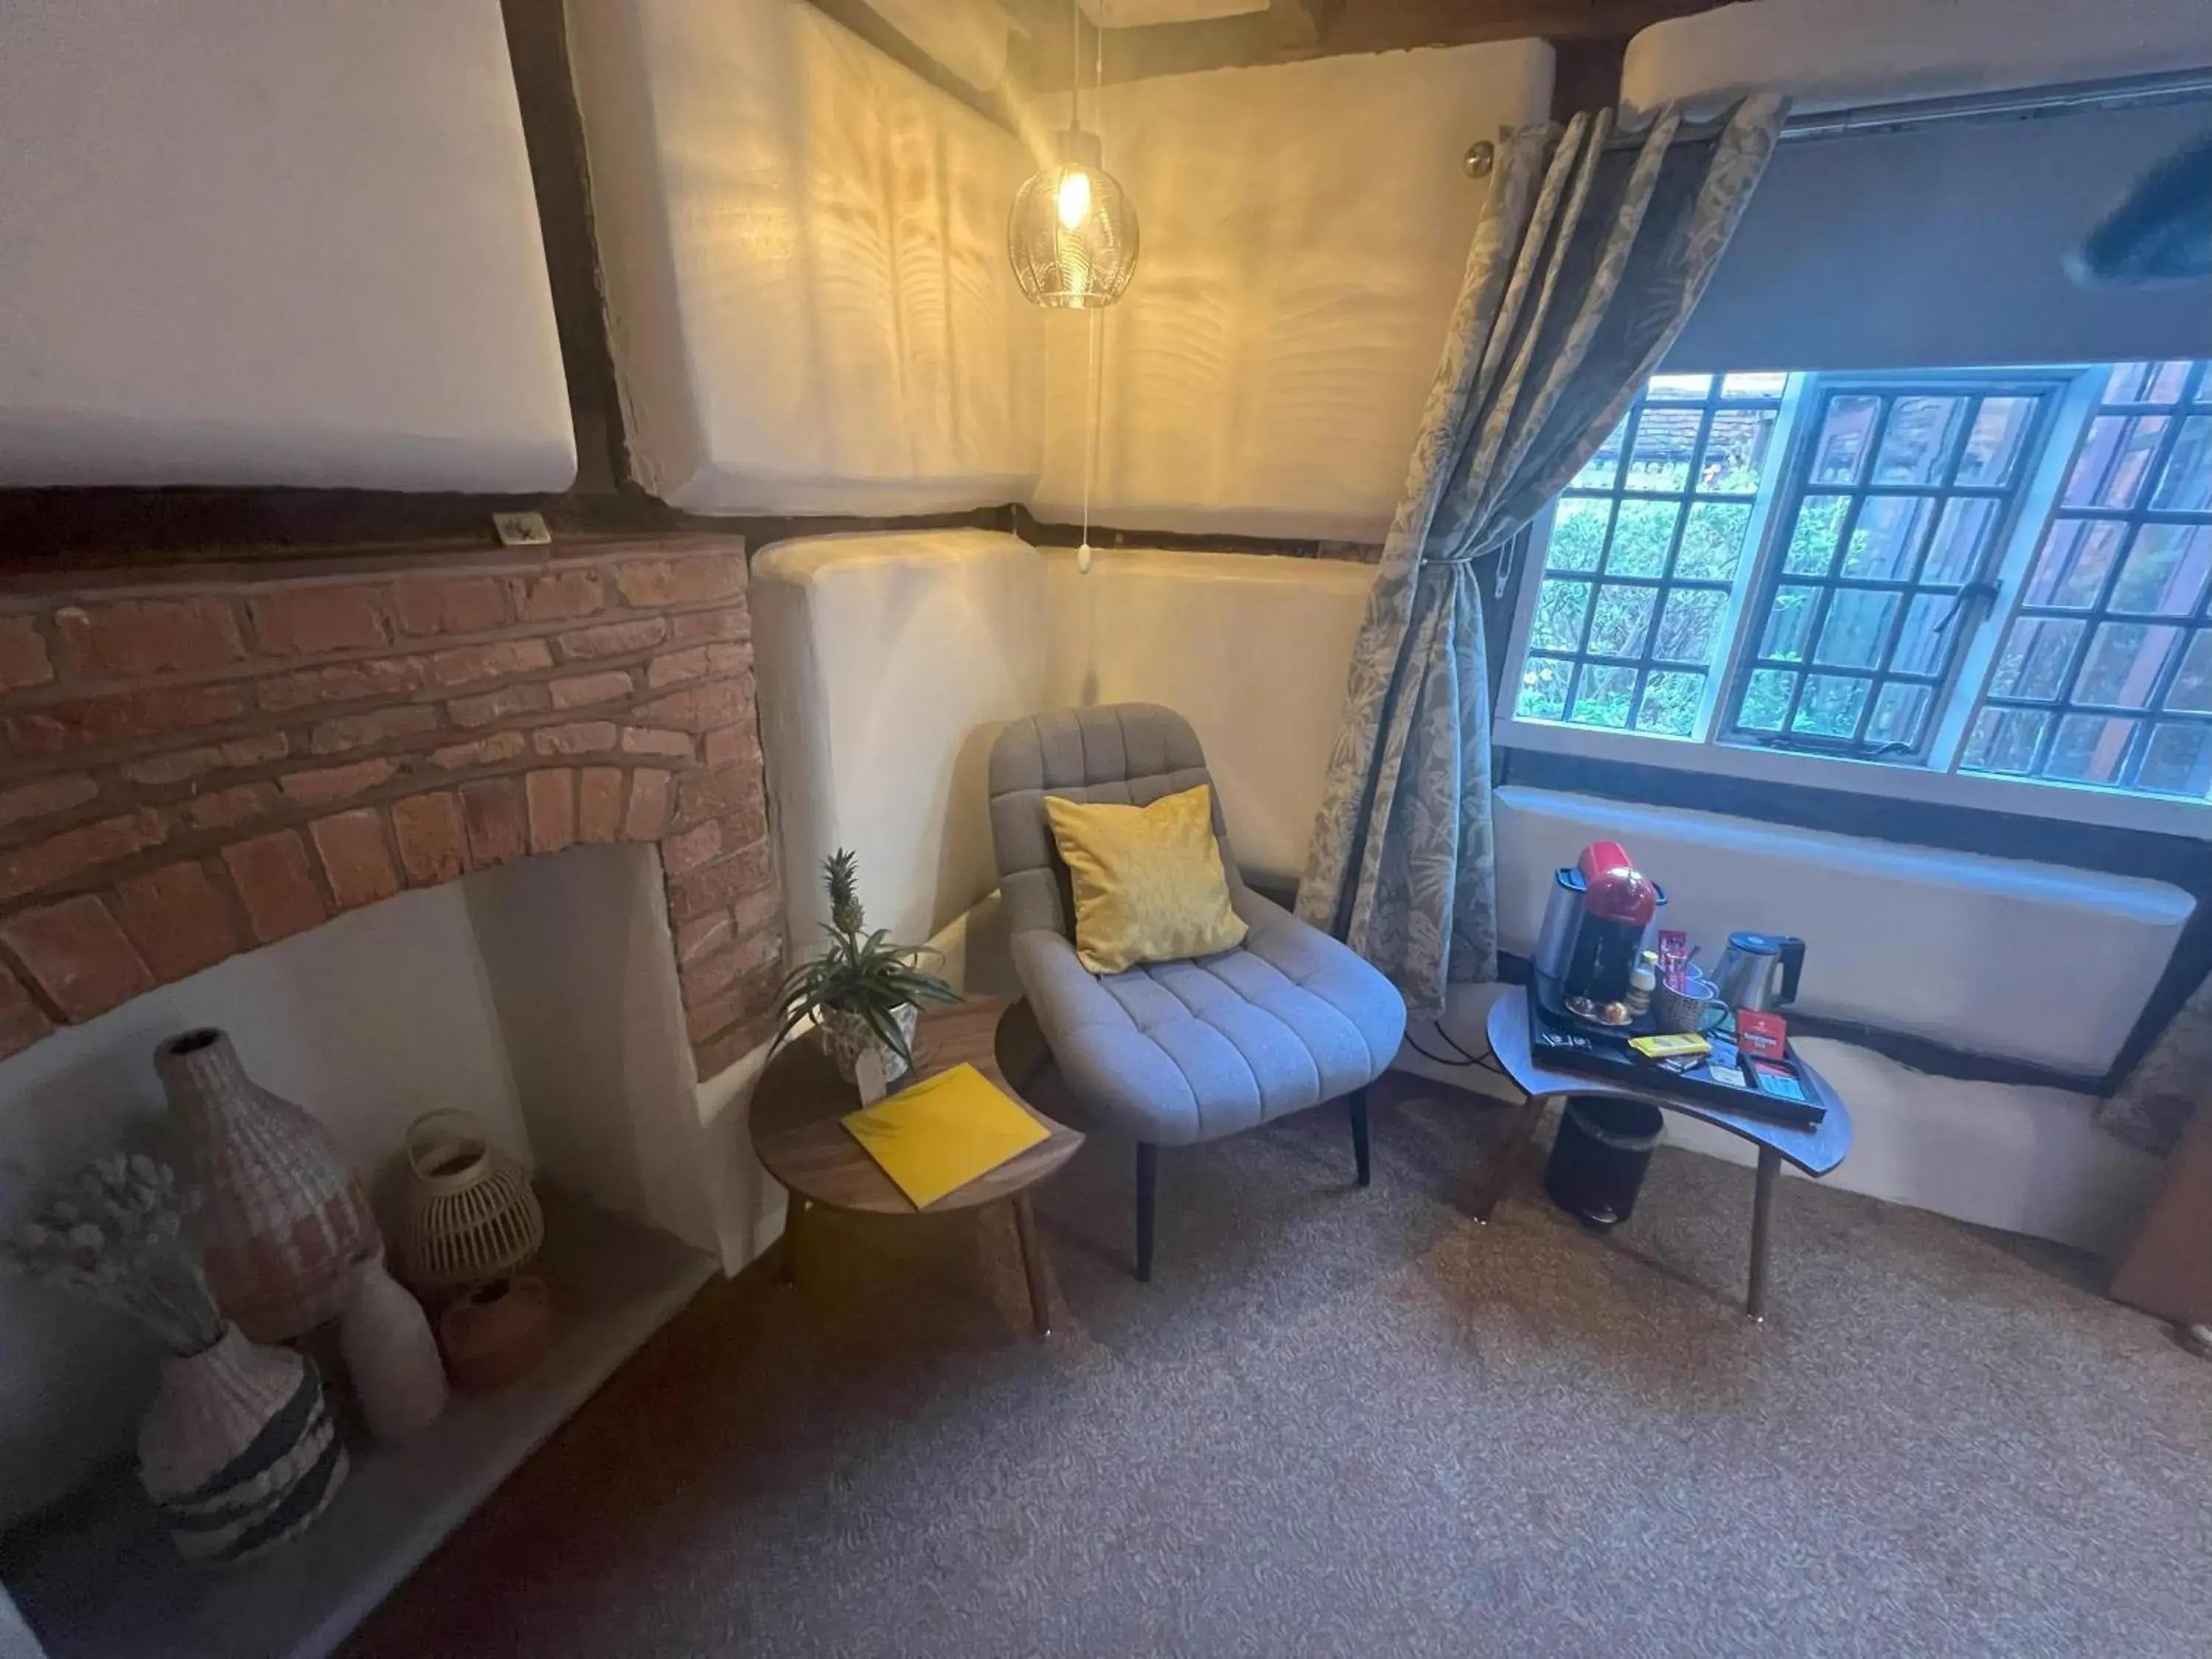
199	763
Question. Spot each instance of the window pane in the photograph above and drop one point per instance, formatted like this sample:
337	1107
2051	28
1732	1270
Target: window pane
2164	575
2166	379
1735	449
1619	624
1842	443
1712	541
2191	690
1757	384
1916	445
2089	749
1559	608
2111	467
1641	533
2122	667
1665	444
1830	706
2111	629
1631	609
1787	622
2004	740
1962	532
1670	702
2185	486
2077	556
1577	535
2038	652
1920	642
1901	714
1689	626
2178	761
1994	443
1857	628
2124	385
1812	538
1886	537
1544	689
1602	695
1766	699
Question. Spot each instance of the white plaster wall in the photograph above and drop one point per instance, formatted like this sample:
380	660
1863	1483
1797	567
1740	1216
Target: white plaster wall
805	261
967	37
258	242
2033	961
1252	650
367	1021
886	665
1304	230
2027	1160
1829	54
576	949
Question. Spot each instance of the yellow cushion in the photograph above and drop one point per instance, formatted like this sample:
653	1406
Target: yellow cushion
1148	882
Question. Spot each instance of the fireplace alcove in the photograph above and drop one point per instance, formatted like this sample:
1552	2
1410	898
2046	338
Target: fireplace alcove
479	828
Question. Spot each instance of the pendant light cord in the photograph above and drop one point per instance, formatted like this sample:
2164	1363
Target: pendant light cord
1095	317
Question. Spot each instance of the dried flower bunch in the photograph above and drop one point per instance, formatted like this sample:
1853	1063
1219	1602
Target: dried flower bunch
115	1231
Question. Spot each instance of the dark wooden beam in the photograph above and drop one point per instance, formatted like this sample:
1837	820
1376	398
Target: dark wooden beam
1303	23
1355	25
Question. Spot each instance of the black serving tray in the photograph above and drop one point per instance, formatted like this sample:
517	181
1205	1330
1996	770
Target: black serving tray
1557	1038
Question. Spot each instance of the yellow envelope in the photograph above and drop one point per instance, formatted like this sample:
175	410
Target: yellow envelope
944	1132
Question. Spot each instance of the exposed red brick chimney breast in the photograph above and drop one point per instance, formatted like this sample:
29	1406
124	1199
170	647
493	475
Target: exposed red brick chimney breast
197	762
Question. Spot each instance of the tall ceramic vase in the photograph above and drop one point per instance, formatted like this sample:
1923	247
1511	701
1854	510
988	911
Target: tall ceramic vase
285	1219
390	1354
238	1452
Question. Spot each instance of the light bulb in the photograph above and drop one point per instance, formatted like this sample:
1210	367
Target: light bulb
1083	558
1074	197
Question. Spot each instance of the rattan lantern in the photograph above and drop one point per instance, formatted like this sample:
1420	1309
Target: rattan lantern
1073	234
471	1214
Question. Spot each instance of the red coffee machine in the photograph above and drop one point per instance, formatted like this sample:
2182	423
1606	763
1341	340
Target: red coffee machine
1618	904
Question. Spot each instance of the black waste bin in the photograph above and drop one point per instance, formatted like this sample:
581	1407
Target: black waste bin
1599	1157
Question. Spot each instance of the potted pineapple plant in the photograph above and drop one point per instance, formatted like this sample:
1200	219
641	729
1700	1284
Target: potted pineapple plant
864	991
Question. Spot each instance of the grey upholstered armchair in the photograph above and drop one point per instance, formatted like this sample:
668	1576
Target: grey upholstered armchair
1176	1052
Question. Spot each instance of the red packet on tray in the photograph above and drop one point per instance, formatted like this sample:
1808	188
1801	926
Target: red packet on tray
1764	1034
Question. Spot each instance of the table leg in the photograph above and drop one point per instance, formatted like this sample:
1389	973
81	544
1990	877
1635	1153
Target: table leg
1509	1154
1032	1264
786	1251
1762	1231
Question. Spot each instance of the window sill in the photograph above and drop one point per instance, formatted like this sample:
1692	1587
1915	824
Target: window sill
2071	803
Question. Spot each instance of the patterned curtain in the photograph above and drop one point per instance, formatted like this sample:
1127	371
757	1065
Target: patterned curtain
1586	261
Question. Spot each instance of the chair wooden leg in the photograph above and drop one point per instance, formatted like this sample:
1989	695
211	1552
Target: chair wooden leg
1357	1101
1148	1181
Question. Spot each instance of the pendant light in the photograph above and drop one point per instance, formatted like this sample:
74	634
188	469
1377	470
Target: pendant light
1073	234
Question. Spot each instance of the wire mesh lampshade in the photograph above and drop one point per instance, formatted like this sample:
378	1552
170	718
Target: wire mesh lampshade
1073	234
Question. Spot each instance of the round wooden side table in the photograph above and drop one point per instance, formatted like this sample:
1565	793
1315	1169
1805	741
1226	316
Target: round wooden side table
799	1138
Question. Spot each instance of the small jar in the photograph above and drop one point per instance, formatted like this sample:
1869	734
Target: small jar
1643	980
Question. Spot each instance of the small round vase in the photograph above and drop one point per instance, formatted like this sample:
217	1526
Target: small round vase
390	1354
496	1332
237	1451
284	1218
846	1036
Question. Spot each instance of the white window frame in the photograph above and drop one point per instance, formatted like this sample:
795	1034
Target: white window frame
1933	780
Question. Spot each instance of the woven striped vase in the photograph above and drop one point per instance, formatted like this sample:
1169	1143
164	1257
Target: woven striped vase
284	1218
238	1452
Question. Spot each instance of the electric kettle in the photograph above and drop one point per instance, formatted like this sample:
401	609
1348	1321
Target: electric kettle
1745	978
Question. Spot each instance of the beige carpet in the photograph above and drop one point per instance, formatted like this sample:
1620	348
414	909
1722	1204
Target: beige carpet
1345	1422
